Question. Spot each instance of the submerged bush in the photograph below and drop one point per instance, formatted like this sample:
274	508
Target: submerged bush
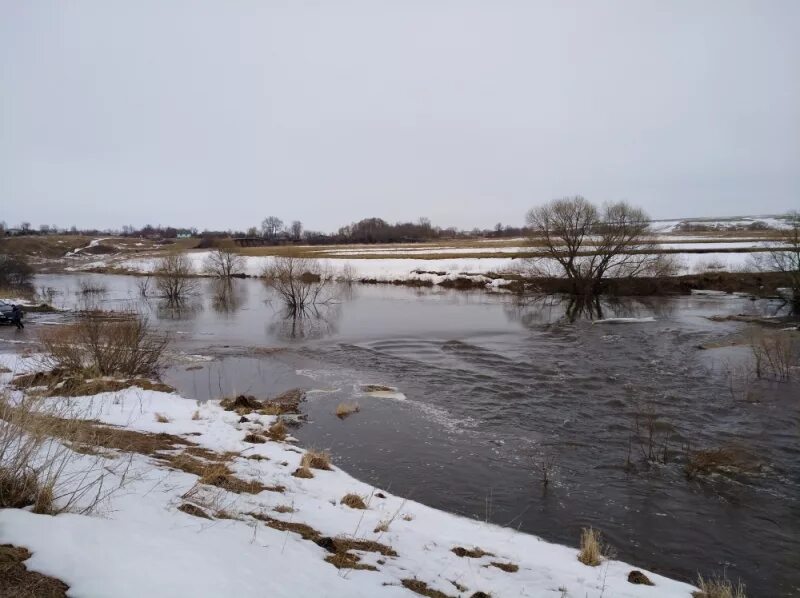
15	271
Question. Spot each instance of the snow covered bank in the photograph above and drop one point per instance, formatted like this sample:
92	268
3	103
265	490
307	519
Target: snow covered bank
141	544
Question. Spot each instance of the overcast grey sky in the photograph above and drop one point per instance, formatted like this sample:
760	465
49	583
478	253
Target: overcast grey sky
217	114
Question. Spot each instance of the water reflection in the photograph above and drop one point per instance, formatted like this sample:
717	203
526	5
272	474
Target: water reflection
311	322
227	296
533	310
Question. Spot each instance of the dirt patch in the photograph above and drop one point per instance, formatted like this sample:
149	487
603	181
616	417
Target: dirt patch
254	439
507	567
472	553
17	581
346	560
421	588
194	510
639	578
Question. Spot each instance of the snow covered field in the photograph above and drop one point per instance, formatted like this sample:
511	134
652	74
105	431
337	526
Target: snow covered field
439	270
140	544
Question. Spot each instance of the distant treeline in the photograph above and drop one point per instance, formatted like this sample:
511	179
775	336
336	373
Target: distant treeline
273	232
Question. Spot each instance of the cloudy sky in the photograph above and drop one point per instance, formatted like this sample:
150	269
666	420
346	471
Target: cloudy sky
217	114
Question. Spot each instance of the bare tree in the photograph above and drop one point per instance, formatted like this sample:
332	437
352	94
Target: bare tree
223	262
587	244
174	277
271	226
296	230
785	257
299	282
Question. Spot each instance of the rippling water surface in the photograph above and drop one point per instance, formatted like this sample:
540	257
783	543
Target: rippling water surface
492	391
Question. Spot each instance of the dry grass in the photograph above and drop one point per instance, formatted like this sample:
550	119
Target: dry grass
254	439
217	474
382	527
316	460
421	588
284	509
196	415
591	547
303	473
721	460
38	453
354	501
278	431
507	567
17	581
472	553
347	560
717	587
162	419
346	409
774	354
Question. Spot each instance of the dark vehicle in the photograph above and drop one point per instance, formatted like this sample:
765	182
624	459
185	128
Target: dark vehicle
10	314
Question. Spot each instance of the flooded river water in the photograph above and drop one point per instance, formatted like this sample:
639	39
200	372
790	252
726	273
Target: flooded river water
492	392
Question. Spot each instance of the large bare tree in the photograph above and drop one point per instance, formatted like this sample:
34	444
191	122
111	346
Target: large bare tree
785	257
586	244
299	282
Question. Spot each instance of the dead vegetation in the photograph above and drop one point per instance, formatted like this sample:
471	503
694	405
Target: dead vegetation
420	587
278	431
316	460
284	509
16	580
774	354
354	501
287	403
50	459
346	409
105	344
723	460
216	473
303	473
161	418
592	550
174	277
194	510
507	567
718	587
472	553
61	383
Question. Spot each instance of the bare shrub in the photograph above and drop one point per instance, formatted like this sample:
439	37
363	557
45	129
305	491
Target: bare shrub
91	287
717	587
143	284
174	277
546	465
299	282
105	344
15	270
650	435
785	257
223	262
774	354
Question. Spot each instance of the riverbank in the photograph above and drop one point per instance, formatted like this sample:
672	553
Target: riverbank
259	527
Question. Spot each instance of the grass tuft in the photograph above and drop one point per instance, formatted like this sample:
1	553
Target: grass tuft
162	419
718	587
591	549
354	501
346	409
316	460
